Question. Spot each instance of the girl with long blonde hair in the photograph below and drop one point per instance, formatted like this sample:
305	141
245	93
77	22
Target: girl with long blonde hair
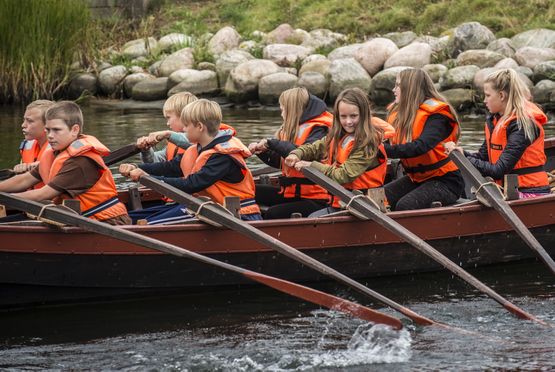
305	120
514	135
352	154
423	121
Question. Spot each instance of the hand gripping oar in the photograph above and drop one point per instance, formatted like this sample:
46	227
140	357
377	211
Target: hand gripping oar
317	297
492	195
363	207
213	213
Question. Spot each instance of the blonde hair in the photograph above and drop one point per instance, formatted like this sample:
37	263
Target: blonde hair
42	105
367	136
69	112
293	102
177	102
416	87
518	95
205	112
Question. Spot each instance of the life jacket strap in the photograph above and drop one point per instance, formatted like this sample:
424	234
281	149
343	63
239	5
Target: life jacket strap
101	207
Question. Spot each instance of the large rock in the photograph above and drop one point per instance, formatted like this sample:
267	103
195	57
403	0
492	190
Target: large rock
110	79
401	39
242	83
347	73
320	65
173	40
503	46
228	61
436	71
471	35
225	39
285	54
507	63
314	82
323	38
373	54
413	55
544	92
479	57
532	56
438	44
460	99
139	47
82	83
200	83
183	58
271	86
282	34
347	51
537	38
150	89
544	70
381	89
458	77
131	80
314	57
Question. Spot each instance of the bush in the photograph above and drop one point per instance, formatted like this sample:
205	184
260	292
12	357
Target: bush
39	39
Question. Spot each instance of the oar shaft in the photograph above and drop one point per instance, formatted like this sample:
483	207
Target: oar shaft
215	214
501	206
306	293
363	207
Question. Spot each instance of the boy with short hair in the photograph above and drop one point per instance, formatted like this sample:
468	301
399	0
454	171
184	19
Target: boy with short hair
177	140
214	166
34	142
72	167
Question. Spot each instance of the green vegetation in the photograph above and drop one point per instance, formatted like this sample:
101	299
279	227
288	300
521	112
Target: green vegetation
358	17
39	39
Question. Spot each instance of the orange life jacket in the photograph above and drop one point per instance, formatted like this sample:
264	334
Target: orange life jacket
530	166
172	150
30	152
372	177
388	130
294	183
192	162
434	163
101	201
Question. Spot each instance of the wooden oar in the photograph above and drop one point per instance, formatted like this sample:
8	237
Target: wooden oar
213	213
264	170
363	207
121	153
112	158
296	290
492	195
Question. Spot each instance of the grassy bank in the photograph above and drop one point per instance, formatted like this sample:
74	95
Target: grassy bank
39	39
357	17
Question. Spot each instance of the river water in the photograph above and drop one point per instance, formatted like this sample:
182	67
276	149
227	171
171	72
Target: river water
255	329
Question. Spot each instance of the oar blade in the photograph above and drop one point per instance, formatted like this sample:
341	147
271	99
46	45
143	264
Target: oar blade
121	154
326	300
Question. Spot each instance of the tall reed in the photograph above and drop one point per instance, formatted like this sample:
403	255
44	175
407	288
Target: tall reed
39	39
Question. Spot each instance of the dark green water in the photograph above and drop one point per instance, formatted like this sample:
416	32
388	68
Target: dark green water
256	329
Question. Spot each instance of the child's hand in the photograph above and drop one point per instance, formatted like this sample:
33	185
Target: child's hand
156	137
451	146
136	173
125	169
260	147
301	164
291	160
142	143
25	167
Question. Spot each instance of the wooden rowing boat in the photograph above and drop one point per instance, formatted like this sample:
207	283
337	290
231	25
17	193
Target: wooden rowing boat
70	259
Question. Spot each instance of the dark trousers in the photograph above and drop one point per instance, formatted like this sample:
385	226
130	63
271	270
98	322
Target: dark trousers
280	207
403	194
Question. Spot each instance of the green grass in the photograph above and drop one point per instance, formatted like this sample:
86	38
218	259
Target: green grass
357	17
39	39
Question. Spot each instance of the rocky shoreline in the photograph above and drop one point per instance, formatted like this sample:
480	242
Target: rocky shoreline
457	62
